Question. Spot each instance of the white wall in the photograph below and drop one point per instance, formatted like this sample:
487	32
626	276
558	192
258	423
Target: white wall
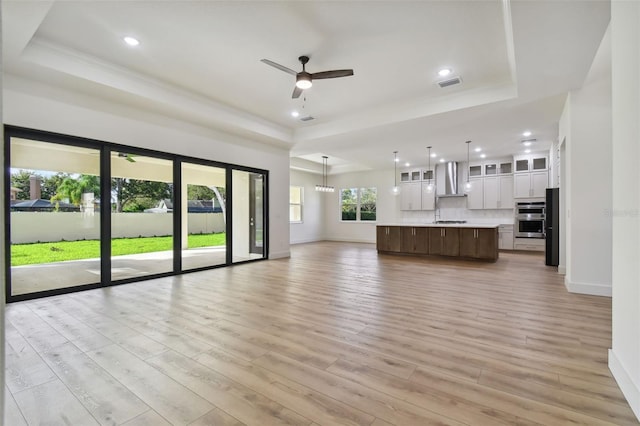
311	228
34	105
624	356
586	128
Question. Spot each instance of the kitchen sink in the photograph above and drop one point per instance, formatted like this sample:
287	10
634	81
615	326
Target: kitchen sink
449	221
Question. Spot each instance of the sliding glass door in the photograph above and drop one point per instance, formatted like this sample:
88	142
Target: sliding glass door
141	215
204	226
248	215
85	214
54	204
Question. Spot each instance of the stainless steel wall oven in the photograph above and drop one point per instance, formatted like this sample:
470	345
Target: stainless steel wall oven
530	219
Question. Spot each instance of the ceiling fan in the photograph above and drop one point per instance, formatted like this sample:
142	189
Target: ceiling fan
304	79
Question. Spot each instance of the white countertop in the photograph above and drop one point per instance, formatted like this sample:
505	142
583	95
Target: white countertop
444	225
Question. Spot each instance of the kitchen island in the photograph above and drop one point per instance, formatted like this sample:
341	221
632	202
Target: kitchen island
465	240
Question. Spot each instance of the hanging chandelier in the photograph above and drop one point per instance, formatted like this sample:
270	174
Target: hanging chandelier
324	187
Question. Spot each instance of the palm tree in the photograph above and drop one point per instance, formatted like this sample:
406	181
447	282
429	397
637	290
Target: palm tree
73	189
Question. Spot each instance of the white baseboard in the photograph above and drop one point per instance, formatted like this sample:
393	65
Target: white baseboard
629	388
306	241
587	288
562	270
349	240
279	254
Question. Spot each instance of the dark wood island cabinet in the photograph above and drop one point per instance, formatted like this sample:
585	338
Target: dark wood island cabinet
467	241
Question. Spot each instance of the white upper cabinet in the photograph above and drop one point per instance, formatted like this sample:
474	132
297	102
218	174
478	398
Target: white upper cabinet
475	169
428	198
476	195
411	196
531	185
413	175
531	162
498	192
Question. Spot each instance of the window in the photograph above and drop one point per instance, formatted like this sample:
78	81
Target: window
295	204
358	204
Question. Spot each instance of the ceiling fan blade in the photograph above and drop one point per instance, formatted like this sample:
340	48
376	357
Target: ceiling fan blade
296	92
331	74
280	67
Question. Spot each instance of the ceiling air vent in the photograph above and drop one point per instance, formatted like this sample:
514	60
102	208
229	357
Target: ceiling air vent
307	118
450	82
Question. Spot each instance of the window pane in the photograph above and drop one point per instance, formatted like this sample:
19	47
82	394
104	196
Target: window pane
295	204
141	215
55	216
295	195
295	213
203	216
349	203
248	215
368	204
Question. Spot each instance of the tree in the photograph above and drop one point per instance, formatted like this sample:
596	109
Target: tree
73	188
20	180
200	192
127	192
50	185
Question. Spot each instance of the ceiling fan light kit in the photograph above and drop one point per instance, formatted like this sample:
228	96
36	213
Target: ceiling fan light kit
304	79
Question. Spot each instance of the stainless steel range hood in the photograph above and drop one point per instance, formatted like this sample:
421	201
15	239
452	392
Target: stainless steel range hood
450	187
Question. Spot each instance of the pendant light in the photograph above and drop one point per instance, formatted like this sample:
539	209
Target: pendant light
430	180
324	187
396	189
468	186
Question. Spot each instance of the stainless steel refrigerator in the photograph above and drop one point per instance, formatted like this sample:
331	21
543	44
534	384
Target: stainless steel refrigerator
552	227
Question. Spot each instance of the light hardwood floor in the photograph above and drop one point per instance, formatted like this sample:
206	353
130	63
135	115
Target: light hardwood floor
337	334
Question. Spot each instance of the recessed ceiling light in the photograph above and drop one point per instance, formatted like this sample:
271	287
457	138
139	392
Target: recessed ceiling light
396	160
444	72
527	151
442	160
407	164
295	114
131	41
526	143
434	155
526	134
483	155
478	149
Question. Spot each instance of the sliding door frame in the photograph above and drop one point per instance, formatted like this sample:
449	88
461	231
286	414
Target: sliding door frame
105	149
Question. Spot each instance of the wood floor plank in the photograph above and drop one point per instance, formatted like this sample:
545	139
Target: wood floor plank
302	399
100	393
595	407
12	414
234	399
52	404
380	404
24	367
337	334
218	418
171	400
76	331
148	418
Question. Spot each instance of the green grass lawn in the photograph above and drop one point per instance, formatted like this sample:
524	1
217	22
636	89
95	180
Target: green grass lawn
31	254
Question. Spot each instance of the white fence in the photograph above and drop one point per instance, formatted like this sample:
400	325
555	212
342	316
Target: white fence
32	227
